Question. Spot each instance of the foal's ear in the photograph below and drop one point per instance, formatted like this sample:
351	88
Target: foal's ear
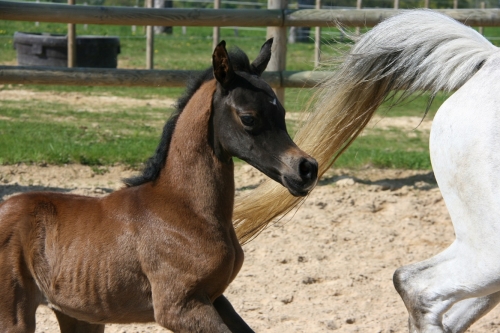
260	64
223	71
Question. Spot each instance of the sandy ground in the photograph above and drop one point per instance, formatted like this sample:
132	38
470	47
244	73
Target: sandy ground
328	267
96	103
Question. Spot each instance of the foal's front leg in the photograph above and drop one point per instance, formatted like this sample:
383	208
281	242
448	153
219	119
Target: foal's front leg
230	317
189	314
68	324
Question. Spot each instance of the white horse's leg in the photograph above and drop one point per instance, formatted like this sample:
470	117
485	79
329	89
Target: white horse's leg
459	318
430	289
464	144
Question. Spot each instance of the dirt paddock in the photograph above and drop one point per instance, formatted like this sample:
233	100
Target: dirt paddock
328	267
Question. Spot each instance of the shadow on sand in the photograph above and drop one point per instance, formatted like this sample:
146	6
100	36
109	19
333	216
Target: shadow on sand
424	182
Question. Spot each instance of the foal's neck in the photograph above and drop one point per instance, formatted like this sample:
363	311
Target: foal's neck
192	171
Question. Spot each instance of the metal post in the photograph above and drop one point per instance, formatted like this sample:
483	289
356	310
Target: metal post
481	29
149	41
71	41
278	58
358	6
317	40
37	23
85	26
216	36
134	27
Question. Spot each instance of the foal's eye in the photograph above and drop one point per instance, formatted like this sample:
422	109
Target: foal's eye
247	120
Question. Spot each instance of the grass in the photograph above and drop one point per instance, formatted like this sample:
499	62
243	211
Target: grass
393	148
58	132
415	106
55	133
60	144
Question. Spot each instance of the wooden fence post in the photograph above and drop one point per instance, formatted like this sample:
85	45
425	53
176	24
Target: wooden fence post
426	3
455	4
317	40
71	41
278	58
396	4
150	41
216	36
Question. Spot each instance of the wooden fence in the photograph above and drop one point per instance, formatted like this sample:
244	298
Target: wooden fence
137	77
29	11
280	18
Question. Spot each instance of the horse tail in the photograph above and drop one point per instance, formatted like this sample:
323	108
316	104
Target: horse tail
415	51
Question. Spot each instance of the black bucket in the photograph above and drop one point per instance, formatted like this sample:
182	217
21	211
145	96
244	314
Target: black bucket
34	49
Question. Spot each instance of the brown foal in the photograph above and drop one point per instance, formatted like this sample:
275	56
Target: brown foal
164	248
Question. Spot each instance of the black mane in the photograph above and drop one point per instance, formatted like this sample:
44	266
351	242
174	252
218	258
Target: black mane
155	163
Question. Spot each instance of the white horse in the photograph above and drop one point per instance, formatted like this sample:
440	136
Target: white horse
412	52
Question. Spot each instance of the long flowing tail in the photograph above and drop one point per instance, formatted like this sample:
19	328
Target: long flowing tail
411	52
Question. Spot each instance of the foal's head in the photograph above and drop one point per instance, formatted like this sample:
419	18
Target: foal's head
249	122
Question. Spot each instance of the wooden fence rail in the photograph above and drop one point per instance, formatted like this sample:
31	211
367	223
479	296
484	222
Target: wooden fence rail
60	13
371	17
29	11
133	77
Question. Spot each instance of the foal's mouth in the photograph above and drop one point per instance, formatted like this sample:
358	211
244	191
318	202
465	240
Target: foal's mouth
298	188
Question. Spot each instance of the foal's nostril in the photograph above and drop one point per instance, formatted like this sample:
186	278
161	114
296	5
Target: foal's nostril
308	169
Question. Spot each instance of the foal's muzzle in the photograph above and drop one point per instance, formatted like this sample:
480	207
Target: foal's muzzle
303	177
